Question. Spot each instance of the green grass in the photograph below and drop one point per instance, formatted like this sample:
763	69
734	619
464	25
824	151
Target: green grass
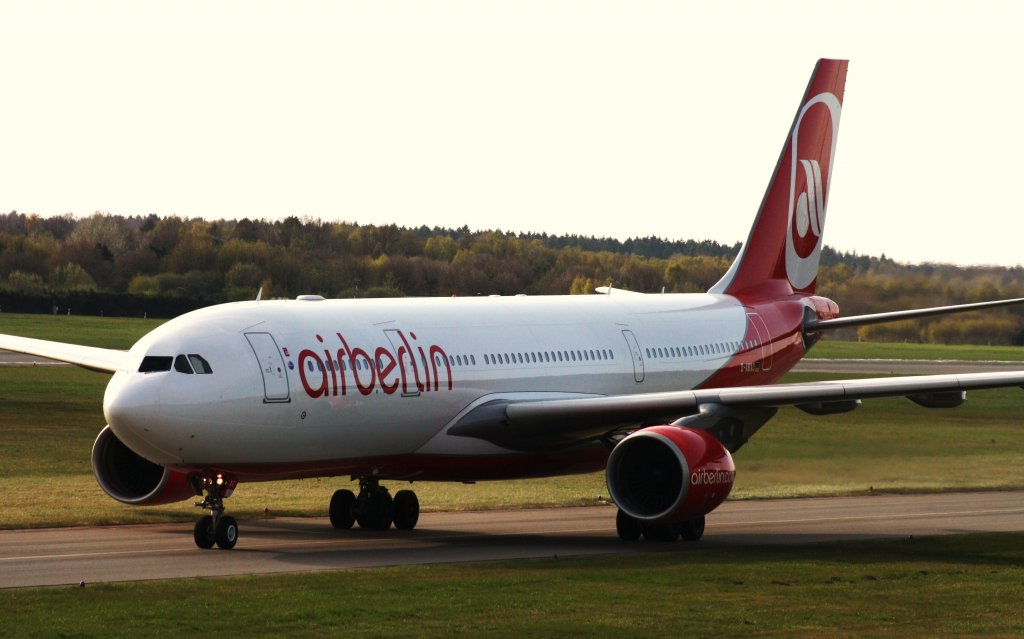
964	586
109	332
835	349
51	416
888	445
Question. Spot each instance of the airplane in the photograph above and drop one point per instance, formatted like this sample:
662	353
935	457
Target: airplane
659	390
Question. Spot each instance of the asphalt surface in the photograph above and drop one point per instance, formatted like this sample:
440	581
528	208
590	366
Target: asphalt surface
287	545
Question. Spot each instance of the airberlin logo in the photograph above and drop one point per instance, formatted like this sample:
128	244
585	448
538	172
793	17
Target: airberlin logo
705	477
816	128
411	367
810	211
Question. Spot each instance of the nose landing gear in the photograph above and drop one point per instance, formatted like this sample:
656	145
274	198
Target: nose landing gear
215	528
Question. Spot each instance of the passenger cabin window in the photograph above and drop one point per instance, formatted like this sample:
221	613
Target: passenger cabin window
156	364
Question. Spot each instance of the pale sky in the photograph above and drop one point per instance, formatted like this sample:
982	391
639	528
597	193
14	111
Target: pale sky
568	116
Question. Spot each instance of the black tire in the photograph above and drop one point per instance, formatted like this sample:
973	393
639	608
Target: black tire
203	532
342	511
226	533
629	528
406	508
693	529
361	510
379	510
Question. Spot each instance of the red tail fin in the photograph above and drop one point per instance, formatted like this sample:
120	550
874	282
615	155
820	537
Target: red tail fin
782	251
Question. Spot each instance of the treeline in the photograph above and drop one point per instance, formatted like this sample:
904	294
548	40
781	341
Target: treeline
127	264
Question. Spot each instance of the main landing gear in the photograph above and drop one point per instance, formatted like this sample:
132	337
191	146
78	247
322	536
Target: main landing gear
630	529
374	508
215	528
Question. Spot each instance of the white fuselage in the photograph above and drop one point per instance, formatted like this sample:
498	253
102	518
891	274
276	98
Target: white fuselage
292	382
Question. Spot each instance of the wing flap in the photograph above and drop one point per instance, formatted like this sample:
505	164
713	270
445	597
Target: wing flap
98	359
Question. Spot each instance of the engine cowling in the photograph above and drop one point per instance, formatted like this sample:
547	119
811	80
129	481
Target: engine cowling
666	474
134	480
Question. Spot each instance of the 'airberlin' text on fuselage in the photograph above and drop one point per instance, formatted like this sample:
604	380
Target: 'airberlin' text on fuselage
409	367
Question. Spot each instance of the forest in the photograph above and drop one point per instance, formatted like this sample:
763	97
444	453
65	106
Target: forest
163	266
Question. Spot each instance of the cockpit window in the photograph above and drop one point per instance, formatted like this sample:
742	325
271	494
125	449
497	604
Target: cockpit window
156	364
200	364
181	365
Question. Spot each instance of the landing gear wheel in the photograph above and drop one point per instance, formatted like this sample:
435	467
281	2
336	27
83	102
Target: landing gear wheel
226	532
203	532
378	510
214	528
374	507
406	508
629	528
342	511
693	529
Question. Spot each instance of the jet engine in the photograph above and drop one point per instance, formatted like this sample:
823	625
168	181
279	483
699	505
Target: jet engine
667	474
131	479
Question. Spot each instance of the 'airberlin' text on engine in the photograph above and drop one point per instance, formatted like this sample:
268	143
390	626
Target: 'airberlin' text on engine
712	477
386	369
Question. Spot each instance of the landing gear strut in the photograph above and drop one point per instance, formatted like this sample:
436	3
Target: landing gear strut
630	529
374	508
215	528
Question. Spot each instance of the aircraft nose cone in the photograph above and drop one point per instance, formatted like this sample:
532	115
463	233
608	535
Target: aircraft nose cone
132	407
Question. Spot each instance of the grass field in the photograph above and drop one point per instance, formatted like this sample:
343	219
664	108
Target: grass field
967	586
109	332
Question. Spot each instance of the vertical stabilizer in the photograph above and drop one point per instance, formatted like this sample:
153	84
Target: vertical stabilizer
785	242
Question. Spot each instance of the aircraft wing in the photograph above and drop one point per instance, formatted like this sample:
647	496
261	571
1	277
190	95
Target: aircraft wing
97	359
531	425
895	316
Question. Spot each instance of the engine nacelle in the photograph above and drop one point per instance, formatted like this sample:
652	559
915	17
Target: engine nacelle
666	474
131	479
